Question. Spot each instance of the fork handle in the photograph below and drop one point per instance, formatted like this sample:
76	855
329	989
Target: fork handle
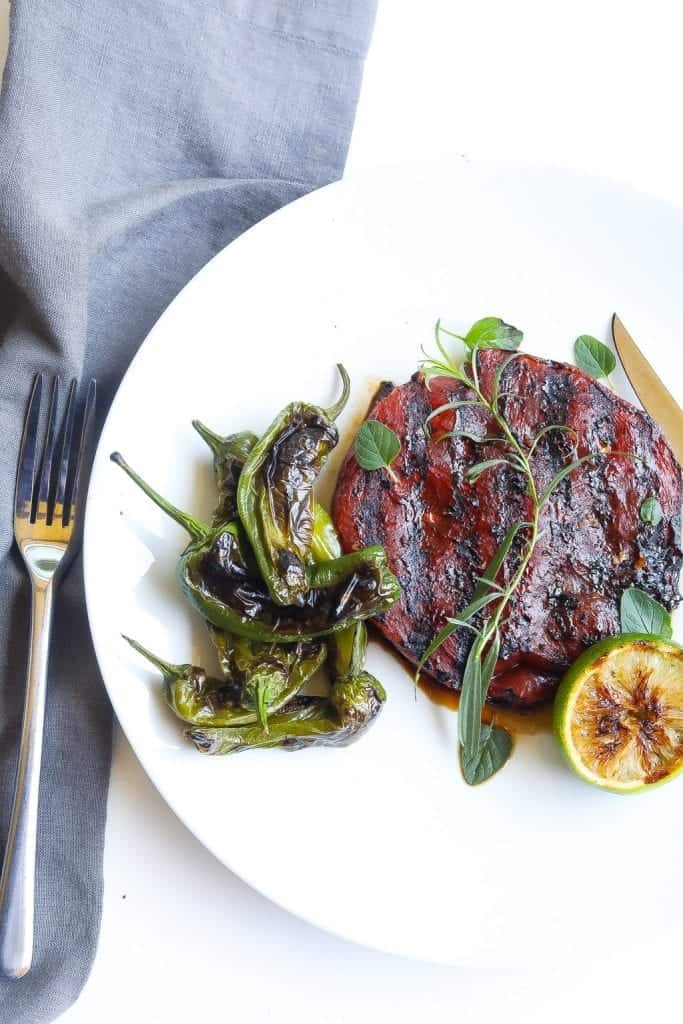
17	884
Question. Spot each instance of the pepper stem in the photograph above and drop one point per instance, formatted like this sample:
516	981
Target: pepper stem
335	410
261	707
196	530
349	647
167	670
213	440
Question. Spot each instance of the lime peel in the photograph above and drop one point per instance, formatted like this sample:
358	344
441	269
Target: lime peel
618	713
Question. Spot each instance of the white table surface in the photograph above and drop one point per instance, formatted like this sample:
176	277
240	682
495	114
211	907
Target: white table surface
596	85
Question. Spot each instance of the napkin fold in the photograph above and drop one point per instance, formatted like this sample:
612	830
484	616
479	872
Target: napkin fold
137	138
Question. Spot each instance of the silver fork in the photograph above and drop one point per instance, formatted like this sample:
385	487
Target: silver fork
46	518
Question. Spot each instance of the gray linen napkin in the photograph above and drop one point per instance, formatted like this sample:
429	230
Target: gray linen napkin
137	138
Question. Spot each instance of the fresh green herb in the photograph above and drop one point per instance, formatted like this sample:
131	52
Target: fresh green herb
471	703
566	470
492	332
376	447
488	577
547	430
593	357
485	749
493	751
640	613
651	511
489	332
475	471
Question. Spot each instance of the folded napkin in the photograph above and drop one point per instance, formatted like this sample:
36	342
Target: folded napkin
137	138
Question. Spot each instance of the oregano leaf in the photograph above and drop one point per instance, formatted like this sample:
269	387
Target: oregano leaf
640	613
376	446
492	332
593	357
495	745
651	511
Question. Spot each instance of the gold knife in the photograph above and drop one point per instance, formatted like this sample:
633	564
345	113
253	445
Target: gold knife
654	396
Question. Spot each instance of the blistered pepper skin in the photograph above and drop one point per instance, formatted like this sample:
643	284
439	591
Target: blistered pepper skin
355	700
229	455
217	575
275	498
199	699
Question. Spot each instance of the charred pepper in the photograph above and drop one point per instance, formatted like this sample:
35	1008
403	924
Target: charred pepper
275	493
305	722
355	700
229	455
274	676
219	579
271	674
194	696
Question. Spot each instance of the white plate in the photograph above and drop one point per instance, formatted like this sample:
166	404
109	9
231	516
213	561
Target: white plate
382	842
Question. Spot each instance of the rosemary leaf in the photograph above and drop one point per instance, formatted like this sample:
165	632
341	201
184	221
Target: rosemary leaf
495	565
440	638
475	605
469	437
489	663
453	406
475	471
547	430
497	380
475	684
471	703
564	472
490	584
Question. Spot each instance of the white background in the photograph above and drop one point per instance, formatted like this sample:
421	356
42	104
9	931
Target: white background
597	85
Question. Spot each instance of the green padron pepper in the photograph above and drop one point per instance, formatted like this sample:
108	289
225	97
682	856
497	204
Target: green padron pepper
219	579
269	675
194	696
262	679
325	545
263	669
356	694
275	493
306	722
229	455
355	700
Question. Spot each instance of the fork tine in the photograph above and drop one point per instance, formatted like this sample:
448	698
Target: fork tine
41	509
86	429
23	493
65	449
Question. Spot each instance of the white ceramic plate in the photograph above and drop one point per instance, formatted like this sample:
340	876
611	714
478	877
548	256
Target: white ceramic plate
382	842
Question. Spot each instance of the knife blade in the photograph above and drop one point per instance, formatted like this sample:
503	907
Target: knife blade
656	400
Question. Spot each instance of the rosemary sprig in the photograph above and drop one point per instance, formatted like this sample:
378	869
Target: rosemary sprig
484	749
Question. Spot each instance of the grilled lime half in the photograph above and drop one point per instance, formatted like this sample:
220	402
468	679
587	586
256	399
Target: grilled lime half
619	713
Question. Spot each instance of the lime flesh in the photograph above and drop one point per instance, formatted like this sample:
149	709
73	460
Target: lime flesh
619	713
